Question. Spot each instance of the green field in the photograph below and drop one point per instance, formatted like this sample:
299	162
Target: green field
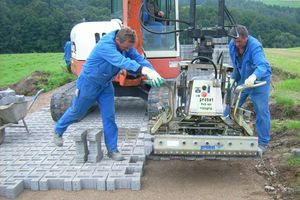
14	67
285	63
286	60
283	3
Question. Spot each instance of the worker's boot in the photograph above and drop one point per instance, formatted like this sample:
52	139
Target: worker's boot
58	140
262	149
115	155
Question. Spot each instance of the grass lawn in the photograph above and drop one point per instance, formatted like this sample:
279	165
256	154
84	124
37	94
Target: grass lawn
283	3
14	67
286	60
278	125
287	92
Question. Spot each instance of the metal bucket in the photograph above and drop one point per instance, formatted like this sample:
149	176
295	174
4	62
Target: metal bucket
13	112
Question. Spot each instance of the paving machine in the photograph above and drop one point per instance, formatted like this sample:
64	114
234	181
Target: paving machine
186	116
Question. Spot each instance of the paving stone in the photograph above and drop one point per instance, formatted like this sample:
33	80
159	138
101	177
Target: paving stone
7	92
34	162
81	146
11	189
127	181
296	152
94	147
57	181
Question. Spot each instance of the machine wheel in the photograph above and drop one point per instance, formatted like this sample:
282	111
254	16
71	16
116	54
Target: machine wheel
2	135
59	104
61	100
157	98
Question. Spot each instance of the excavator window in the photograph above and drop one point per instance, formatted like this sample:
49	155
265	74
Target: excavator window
154	13
97	37
117	9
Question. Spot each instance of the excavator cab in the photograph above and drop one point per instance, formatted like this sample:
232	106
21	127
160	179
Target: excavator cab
153	15
156	37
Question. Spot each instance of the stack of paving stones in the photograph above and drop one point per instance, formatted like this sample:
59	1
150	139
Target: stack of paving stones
34	162
9	96
81	145
88	145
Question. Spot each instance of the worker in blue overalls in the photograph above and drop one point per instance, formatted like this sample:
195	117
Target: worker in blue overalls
67	55
112	53
250	65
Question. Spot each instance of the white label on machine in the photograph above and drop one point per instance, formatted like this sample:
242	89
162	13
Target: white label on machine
172	143
206	99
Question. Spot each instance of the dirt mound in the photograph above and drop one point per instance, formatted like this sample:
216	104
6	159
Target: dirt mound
281	178
31	84
282	112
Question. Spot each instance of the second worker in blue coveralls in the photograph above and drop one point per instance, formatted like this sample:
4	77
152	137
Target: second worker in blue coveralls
112	53
250	65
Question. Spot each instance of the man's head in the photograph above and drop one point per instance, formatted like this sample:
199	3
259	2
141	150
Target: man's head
240	34
125	38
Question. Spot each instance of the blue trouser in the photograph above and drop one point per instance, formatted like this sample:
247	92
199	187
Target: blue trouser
89	93
260	99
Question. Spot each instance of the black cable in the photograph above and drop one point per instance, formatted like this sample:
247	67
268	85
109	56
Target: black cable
233	23
154	32
163	19
209	60
221	57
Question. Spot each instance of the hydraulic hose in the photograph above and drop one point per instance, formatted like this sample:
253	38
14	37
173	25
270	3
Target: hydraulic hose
210	61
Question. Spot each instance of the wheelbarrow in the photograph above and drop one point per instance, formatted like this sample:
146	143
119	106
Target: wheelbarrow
12	113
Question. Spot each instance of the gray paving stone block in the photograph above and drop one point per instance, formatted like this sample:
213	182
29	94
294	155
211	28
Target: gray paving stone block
97	181
131	181
51	182
296	152
11	189
81	145
136	167
94	138
135	158
33	179
7	92
148	147
7	100
63	181
76	184
22	175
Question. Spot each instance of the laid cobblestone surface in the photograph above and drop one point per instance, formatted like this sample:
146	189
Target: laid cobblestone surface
34	162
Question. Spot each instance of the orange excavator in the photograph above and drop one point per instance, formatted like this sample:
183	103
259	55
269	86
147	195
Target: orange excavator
158	40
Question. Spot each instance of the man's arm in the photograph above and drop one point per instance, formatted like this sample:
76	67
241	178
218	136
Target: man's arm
260	62
133	54
235	74
115	58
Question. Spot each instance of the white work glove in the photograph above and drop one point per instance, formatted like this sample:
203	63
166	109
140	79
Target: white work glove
155	79
231	81
250	80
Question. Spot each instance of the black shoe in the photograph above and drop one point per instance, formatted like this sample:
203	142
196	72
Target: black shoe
115	155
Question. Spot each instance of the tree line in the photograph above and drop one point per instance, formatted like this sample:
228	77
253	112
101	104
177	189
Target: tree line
45	25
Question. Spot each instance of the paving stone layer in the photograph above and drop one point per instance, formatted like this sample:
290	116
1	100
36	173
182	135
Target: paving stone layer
34	162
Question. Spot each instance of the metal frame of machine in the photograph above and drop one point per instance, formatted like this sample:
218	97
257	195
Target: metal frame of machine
180	129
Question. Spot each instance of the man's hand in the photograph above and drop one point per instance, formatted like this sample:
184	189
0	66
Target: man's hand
155	79
250	80
231	81
161	14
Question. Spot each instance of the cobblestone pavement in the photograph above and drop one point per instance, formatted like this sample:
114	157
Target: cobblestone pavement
34	162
